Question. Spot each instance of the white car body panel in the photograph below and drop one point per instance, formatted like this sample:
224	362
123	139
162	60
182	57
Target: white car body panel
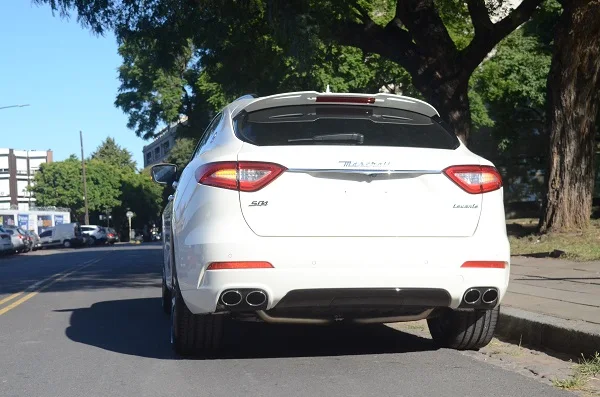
326	231
319	196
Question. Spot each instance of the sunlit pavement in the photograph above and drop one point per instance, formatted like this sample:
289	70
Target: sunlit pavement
89	322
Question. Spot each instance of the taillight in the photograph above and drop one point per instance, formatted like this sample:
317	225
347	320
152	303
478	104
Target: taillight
475	178
345	99
245	176
239	265
485	264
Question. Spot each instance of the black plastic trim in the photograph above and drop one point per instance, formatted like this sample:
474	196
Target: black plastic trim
364	298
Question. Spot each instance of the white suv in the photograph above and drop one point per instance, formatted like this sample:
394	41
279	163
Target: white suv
317	208
96	234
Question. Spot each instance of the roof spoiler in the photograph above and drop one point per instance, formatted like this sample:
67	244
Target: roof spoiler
311	97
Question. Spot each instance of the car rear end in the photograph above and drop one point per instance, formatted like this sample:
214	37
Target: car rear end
6	245
342	207
19	241
111	236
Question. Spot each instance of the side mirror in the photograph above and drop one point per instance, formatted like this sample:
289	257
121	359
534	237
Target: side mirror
164	174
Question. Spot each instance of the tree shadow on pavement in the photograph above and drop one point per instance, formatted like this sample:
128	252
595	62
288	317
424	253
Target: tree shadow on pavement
139	327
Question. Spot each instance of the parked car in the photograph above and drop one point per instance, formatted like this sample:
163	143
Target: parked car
67	235
6	246
97	234
35	239
322	208
20	240
111	236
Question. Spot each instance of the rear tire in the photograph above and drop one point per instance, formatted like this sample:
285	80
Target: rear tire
464	330
194	334
67	244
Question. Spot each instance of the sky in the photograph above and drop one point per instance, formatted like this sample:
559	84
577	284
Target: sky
69	78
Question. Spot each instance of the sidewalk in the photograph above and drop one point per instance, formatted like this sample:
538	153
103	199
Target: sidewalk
553	303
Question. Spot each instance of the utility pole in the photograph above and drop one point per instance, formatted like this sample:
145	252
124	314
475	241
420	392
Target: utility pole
28	182
87	215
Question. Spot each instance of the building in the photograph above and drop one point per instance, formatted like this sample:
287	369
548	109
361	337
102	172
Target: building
17	169
37	220
159	149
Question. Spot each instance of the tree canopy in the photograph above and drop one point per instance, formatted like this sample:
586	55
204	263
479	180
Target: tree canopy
182	48
480	63
111	153
113	186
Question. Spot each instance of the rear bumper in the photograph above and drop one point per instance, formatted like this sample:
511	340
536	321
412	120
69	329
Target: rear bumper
424	271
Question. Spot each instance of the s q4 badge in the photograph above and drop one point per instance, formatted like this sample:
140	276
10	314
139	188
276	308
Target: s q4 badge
259	204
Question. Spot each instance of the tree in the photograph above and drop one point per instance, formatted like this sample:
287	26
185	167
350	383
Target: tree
114	154
263	46
182	152
109	187
60	184
151	93
512	87
573	109
142	196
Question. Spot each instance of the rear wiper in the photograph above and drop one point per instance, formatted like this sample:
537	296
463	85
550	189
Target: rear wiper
358	138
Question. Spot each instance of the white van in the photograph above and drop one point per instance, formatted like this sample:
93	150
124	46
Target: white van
67	234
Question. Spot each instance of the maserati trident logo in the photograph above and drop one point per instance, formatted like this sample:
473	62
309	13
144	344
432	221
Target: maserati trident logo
365	164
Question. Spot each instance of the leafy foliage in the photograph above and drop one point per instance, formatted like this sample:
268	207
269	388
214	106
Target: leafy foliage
112	184
511	85
182	152
111	153
61	184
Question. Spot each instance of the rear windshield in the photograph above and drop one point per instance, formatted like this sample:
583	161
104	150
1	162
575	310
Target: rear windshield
375	126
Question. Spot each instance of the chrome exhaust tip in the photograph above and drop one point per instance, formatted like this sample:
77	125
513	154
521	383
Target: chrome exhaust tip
489	296
231	298
256	298
472	296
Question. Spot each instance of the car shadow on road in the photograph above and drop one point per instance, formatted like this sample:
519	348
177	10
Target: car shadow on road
139	327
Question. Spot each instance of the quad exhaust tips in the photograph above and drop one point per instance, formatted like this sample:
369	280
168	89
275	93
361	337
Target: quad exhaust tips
231	298
479	298
489	296
242	300
256	298
472	296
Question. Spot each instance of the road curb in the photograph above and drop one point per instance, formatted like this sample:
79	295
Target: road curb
539	330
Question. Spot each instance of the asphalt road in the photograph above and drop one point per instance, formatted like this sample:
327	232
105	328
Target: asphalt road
89	323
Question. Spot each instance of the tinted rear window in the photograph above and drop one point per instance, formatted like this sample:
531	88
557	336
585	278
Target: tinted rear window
379	126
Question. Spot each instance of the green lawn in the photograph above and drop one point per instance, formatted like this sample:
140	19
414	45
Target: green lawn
583	246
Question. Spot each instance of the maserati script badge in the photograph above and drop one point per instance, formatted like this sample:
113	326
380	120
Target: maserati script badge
365	164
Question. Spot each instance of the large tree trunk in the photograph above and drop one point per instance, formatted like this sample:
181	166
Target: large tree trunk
451	100
455	110
573	96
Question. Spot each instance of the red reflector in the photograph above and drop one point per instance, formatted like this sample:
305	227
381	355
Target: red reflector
239	265
475	179
485	264
245	176
345	99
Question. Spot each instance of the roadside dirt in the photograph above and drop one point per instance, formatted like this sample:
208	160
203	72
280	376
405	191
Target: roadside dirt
547	367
